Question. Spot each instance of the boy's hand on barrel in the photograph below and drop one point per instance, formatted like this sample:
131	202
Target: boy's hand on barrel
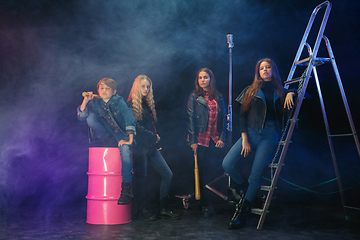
127	142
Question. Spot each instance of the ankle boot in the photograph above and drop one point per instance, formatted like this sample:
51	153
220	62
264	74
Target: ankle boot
126	194
239	218
144	214
165	212
204	210
236	192
233	195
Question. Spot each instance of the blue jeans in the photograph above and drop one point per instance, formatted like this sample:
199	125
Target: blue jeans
98	125
126	163
264	141
141	158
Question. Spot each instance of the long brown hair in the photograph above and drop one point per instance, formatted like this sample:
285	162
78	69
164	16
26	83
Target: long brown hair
213	93
259	83
136	98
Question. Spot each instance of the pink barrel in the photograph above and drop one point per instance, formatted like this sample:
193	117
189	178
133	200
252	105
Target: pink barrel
104	187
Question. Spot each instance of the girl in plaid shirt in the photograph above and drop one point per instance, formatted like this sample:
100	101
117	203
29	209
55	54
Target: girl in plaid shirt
207	126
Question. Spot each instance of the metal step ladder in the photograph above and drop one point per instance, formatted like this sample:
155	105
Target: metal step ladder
310	63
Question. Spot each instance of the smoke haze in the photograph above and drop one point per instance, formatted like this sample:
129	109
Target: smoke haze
52	51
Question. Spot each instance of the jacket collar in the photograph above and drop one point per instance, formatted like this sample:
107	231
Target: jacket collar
201	99
261	95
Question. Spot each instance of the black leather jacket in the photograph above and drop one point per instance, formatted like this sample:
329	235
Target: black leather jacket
255	117
198	116
145	129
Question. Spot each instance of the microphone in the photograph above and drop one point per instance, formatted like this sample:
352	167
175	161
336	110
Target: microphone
230	40
229	115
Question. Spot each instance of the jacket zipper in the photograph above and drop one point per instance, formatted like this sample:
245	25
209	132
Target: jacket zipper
264	112
206	107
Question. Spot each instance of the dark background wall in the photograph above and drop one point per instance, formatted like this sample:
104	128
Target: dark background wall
52	51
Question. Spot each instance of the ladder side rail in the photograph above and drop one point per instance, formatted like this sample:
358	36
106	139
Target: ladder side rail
284	150
277	172
306	34
321	5
328	134
301	46
300	98
337	74
287	125
321	31
331	146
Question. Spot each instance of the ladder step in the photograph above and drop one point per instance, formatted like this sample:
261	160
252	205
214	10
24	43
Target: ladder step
293	81
275	165
283	142
303	62
341	135
258	211
266	188
321	61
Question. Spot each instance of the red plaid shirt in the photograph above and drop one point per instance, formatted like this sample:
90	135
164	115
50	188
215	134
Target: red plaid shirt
211	130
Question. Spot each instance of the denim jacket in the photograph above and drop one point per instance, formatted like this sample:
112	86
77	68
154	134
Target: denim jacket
255	117
120	118
198	116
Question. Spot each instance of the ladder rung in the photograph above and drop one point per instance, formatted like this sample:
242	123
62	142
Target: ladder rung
341	135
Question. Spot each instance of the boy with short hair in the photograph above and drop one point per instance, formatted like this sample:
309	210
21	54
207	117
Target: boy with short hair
109	117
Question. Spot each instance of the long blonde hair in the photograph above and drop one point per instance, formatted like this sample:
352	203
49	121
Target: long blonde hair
136	98
259	82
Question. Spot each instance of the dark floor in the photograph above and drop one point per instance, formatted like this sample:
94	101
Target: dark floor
283	222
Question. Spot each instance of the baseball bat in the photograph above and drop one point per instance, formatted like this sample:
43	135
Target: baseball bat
197	183
84	94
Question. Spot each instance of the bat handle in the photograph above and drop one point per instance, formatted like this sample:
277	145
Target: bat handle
84	94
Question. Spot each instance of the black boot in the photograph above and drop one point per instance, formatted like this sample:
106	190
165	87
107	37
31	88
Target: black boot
239	218
233	195
126	194
237	193
144	214
165	212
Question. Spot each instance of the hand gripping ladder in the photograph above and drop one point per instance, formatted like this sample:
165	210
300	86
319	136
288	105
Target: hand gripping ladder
310	63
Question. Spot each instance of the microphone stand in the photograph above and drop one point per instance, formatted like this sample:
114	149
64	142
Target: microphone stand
229	115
